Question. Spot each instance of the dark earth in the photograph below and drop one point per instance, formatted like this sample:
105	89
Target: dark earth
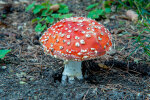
26	73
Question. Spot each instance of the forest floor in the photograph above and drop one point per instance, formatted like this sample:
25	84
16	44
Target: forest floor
27	73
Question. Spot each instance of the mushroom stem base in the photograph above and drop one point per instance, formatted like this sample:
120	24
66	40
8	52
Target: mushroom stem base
72	70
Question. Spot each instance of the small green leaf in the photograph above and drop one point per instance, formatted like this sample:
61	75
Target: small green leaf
49	19
30	6
133	51
63	9
42	19
62	6
46	4
39	27
37	9
56	15
147	6
91	6
143	11
93	15
3	53
3	15
44	12
108	3
107	10
66	16
99	11
35	19
50	12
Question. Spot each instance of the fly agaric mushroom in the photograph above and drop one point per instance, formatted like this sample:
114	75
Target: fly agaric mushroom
76	39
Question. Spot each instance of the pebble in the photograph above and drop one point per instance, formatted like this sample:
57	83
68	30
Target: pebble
20	28
23	79
106	21
94	91
148	94
22	82
79	96
31	79
30	47
114	71
60	63
14	23
21	74
138	94
116	57
35	97
4	67
39	33
1	90
113	17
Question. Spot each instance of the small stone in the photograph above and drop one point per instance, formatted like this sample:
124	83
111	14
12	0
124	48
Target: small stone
23	79
4	67
30	47
114	70
138	94
60	63
31	79
1	90
23	74
106	21
113	17
17	74
79	96
20	28
14	23
148	94
22	82
35	97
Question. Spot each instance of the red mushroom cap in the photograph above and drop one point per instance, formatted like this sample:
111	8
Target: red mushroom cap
77	39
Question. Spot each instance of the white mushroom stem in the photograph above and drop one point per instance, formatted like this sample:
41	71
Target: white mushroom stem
72	69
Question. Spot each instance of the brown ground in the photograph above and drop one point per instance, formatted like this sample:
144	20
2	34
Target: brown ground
27	73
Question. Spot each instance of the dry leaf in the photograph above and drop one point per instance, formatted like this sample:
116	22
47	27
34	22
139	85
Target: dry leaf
103	66
3	24
54	7
132	15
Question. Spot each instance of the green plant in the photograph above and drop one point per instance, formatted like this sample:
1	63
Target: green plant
3	15
142	6
141	41
3	53
96	10
45	15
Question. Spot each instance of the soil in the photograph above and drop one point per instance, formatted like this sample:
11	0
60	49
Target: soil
28	74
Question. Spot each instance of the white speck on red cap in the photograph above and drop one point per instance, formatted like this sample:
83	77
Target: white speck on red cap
82	41
77	44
